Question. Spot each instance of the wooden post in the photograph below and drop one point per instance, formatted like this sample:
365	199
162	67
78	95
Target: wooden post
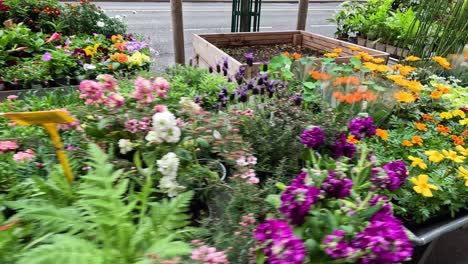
245	16
178	31
302	14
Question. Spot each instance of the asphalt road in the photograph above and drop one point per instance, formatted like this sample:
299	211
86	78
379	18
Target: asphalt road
154	21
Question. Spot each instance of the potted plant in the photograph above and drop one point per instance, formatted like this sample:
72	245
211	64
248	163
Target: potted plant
26	75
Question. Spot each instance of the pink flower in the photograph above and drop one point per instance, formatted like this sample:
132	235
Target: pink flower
70	148
12	97
160	108
115	100
132	126
143	92
252	160
161	86
144	124
12	124
55	36
24	156
91	91
209	255
8	145
21	48
241	161
107	82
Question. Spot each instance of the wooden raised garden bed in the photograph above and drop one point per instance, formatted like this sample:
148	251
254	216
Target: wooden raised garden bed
210	49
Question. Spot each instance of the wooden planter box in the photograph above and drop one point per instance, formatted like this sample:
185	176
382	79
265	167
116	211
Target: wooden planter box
207	53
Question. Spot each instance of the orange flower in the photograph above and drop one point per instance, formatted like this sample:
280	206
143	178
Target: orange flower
420	126
417	140
296	56
346	80
436	94
458	140
369	96
406	143
319	75
381	133
120	57
427	117
465	133
444	89
116	38
351	139
120	46
339	96
443	129
442	62
286	54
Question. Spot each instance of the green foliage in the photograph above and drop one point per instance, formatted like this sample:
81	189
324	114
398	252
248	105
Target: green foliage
99	220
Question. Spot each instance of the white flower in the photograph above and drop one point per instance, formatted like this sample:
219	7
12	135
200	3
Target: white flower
168	165
189	106
100	24
87	66
170	186
153	137
173	135
164	119
241	162
217	135
125	146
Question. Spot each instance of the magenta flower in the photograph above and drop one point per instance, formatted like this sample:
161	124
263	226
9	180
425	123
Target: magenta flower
342	148
391	176
91	91
362	127
46	56
107	82
336	186
313	138
336	245
54	36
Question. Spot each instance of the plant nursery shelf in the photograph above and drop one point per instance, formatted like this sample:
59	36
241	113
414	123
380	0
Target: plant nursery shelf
208	48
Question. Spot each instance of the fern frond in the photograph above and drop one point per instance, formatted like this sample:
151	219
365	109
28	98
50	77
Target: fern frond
64	249
170	215
166	248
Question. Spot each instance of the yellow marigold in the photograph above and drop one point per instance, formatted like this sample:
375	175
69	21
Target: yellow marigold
462	150
413	85
378	60
463	173
459	113
404	97
436	94
434	155
383	68
365	56
338	50
443	62
452	155
417	162
420	126
405	70
463	121
354	48
331	55
406	143
417	140
412	58
381	133
116	38
395	77
422	186
445	115
369	65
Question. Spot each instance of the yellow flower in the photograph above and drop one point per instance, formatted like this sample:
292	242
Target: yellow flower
91	50
422	187
412	58
463	121
459	113
462	172
381	133
452	155
414	86
354	48
138	59
462	150
369	65
442	62
338	50
395	77
417	162
331	55
434	155
378	60
445	115
382	68
404	97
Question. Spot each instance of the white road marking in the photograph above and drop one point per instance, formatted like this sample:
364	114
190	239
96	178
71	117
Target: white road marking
328	25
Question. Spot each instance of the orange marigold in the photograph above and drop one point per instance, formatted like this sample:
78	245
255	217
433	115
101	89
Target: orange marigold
458	140
427	117
404	97
436	94
417	140
381	133
406	143
420	126
443	62
444	89
443	129
351	139
120	46
297	56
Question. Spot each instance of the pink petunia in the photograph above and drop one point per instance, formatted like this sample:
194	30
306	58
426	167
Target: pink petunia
24	156
12	97
8	145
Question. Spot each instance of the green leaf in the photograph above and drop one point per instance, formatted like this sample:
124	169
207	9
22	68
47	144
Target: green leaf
166	249
202	143
273	199
355	62
310	85
260	257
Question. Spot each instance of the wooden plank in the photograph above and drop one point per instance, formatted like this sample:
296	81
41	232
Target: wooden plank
269	33
213	55
297	39
178	31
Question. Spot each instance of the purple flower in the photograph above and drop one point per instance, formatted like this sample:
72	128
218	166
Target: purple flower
46	56
337	187
362	127
297	199
282	246
336	245
391	176
313	138
134	46
342	148
386	206
383	241
249	59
